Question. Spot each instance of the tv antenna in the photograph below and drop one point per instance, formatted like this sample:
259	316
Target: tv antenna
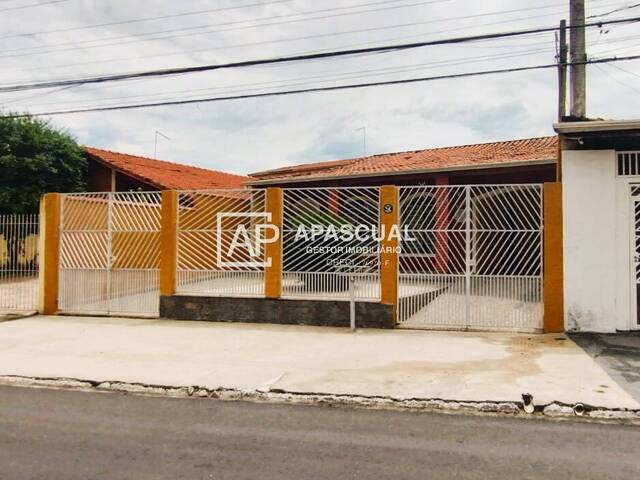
155	143
364	140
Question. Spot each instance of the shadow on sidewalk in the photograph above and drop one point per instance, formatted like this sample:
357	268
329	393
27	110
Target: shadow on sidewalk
617	353
7	317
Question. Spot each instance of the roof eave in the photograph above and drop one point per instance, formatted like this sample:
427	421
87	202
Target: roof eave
405	172
123	171
594	126
310	167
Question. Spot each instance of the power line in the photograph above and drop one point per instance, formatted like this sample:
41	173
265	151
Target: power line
316	78
31	5
41	94
199	27
78	44
403	37
617	49
331	34
326	89
146	19
41	50
628	7
196	12
294	58
612	77
625	70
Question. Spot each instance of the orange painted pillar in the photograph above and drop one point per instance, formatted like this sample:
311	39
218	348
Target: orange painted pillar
389	247
49	253
553	286
273	250
442	223
168	242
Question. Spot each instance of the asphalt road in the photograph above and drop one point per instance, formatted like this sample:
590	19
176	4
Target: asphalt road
49	434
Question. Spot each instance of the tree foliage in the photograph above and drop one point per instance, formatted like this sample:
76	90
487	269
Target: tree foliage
36	158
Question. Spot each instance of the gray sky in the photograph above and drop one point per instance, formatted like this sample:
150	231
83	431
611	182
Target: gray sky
250	135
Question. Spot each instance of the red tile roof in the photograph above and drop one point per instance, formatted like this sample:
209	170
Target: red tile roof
166	175
434	159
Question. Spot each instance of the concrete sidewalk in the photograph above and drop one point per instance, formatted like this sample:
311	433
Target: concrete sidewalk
400	364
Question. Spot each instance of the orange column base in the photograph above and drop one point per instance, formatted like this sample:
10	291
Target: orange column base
389	247
553	285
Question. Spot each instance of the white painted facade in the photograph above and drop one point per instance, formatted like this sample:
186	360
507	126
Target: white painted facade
599	283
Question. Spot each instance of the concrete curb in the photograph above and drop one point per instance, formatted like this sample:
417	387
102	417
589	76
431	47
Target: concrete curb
556	410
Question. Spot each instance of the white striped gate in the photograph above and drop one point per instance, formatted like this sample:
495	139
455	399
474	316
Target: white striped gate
110	253
19	234
206	223
328	266
471	257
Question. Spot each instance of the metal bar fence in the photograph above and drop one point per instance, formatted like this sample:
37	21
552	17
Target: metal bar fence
471	256
329	237
19	234
628	163
219	252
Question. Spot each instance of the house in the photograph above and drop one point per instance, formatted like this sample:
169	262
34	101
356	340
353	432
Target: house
119	172
501	235
474	218
600	169
530	160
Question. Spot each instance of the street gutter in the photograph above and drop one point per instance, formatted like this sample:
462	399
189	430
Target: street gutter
553	410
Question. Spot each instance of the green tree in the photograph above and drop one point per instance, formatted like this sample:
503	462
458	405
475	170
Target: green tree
36	158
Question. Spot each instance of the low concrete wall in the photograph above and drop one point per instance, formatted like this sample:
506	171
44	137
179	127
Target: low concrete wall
265	310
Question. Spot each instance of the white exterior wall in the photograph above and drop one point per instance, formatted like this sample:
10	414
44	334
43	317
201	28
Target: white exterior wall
625	272
592	244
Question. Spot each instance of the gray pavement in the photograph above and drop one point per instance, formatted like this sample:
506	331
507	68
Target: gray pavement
52	434
399	364
618	354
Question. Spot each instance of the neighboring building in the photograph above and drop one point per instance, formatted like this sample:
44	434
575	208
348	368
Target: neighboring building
531	160
600	169
118	172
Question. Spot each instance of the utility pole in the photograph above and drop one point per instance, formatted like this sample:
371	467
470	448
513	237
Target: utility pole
562	71
577	54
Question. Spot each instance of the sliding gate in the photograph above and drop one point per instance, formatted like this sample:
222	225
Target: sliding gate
471	257
110	253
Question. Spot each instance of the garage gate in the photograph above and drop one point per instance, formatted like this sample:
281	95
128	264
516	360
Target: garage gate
110	253
472	257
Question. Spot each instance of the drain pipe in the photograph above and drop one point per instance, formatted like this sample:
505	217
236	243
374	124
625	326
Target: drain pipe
578	409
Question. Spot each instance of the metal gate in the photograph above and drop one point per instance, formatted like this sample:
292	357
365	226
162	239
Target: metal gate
206	223
110	253
326	266
471	257
19	263
635	256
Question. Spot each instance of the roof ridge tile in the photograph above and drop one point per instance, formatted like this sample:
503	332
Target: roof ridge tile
535	148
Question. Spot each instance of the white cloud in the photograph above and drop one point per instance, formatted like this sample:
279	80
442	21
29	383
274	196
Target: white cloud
250	135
